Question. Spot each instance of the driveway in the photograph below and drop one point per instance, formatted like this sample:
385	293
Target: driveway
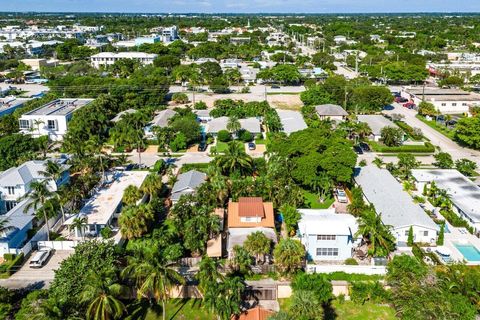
435	137
36	278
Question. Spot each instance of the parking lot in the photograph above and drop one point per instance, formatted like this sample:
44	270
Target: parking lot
38	278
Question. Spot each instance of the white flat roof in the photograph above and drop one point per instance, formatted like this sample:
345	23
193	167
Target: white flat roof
59	107
326	221
464	193
102	205
292	121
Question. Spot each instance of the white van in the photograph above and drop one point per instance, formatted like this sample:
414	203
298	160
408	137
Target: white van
40	258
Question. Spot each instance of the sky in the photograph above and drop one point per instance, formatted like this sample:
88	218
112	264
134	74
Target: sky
242	6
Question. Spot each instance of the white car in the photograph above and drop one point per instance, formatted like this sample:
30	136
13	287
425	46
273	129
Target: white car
341	196
40	258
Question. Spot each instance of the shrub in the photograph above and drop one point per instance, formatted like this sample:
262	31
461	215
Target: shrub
200	105
415	133
180	97
224	136
426	148
179	143
9	256
106	232
351	262
361	292
159	166
362	163
245	136
12	267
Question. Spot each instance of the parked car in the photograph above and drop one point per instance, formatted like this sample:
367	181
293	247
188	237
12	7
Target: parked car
400	99
202	146
409	105
251	146
40	258
365	147
357	149
341	195
275	86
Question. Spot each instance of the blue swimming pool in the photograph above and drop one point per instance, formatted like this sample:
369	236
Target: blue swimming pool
469	251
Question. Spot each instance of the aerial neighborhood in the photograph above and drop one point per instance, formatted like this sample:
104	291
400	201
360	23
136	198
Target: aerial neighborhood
239	166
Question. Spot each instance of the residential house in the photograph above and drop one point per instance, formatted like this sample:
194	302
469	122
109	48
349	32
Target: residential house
9	104
446	101
119	116
106	204
252	125
376	123
15	233
292	121
203	115
249	215
395	206
160	120
187	183
327	235
464	194
331	111
51	119
109	58
15	182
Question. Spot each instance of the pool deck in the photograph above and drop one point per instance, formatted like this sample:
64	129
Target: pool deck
457	236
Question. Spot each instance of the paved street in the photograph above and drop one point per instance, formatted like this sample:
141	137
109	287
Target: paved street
436	138
344	71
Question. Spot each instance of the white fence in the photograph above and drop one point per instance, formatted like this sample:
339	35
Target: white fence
58	245
368	270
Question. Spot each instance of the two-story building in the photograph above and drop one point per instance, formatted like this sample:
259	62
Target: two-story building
326	235
51	119
109	58
15	182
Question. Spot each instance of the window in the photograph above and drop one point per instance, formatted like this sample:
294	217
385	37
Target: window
425	233
24	124
52	125
464	104
454	104
444	104
11	190
326	237
406	233
327	251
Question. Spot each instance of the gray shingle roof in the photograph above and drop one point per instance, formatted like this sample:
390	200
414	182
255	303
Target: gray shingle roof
24	173
121	114
250	124
394	204
187	182
161	119
330	110
292	121
17	219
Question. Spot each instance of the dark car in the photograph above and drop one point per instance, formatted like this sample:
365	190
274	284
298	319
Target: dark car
358	149
400	99
365	147
409	105
202	146
275	86
251	146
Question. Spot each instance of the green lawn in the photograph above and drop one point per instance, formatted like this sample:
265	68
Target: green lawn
182	309
440	128
311	199
221	146
260	141
352	311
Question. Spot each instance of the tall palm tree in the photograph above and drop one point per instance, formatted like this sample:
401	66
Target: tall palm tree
235	158
154	277
233	125
134	221
376	234
102	294
79	223
208	273
131	195
39	195
224	297
152	185
53	171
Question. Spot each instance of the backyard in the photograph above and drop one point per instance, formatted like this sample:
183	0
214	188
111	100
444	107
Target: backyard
182	309
311	200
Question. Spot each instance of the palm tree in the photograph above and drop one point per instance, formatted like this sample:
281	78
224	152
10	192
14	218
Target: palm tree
376	234
102	293
322	184
38	123
154	276
362	129
208	273
233	125
258	245
378	162
131	195
235	159
79	224
224	297
53	171
134	221
39	196
152	185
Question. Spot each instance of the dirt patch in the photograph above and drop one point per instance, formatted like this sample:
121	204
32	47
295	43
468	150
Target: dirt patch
151	149
193	148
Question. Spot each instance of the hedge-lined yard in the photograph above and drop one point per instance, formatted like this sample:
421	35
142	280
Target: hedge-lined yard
427	147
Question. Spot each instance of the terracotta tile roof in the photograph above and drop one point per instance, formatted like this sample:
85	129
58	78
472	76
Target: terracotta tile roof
256	313
234	218
250	207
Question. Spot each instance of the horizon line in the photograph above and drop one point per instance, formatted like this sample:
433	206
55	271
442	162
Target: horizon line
242	13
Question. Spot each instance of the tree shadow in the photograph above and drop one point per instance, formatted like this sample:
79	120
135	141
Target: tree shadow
329	312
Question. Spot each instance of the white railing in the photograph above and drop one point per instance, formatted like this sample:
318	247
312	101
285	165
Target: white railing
58	245
368	270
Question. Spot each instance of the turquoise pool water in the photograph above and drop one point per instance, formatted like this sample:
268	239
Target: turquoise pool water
470	252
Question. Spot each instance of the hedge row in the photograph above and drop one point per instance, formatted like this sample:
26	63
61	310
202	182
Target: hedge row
9	268
426	148
352	277
409	130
